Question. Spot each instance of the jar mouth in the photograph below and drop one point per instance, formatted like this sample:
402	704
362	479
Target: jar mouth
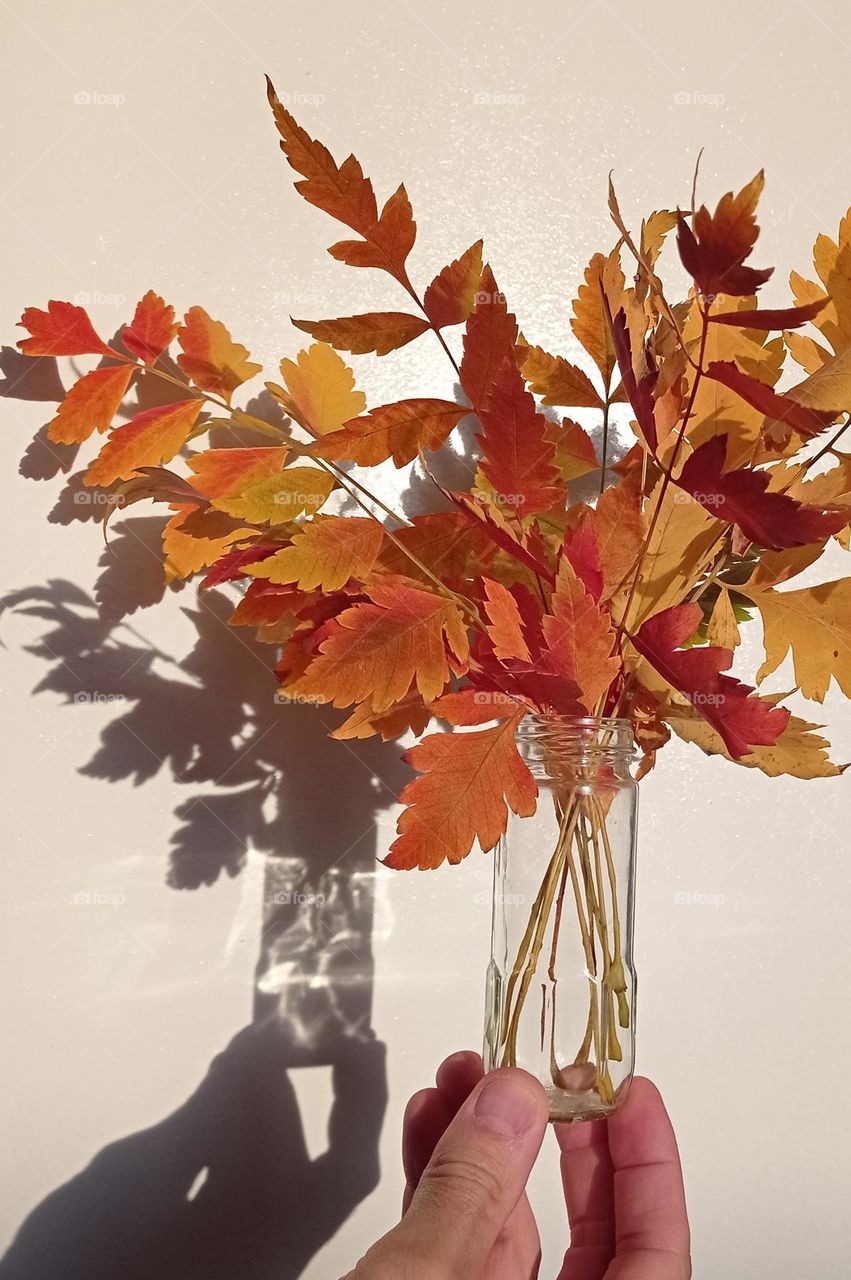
586	736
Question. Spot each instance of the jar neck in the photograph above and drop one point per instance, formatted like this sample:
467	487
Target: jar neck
580	747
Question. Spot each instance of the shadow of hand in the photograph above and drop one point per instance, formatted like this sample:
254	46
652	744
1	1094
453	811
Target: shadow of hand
263	1209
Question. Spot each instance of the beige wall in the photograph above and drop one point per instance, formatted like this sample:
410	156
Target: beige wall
504	122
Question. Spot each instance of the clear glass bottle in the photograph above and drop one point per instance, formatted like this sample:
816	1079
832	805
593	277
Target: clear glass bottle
561	982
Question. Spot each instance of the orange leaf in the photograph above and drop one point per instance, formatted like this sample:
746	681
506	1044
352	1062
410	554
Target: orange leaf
153	436
469	782
342	190
221	473
62	330
91	404
518	458
451	296
505	627
211	359
409	715
575	453
326	553
378	331
388	241
489	338
187	553
378	648
446	542
589	322
398	431
151	330
579	639
557	380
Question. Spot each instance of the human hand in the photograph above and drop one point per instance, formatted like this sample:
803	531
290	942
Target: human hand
466	1212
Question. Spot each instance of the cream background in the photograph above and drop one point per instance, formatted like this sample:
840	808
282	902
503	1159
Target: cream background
111	1016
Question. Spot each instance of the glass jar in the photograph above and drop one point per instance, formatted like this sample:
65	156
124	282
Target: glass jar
561	983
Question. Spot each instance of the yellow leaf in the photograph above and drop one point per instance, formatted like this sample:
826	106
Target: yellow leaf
684	538
186	553
723	629
320	390
799	752
280	497
815	623
326	553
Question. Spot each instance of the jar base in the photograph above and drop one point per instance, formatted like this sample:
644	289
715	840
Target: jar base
573	1107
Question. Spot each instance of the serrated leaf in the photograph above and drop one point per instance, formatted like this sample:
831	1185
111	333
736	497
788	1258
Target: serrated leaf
326	553
64	329
451	296
399	431
815	623
151	437
91	404
280	497
320	390
558	381
210	358
151	330
378	331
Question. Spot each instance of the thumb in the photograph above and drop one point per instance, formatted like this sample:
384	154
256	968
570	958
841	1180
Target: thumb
476	1176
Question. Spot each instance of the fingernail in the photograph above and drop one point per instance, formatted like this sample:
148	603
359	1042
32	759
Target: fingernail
505	1106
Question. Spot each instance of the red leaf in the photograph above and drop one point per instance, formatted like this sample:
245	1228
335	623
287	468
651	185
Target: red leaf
518	458
742	720
451	296
388	241
639	390
230	566
582	550
151	330
579	640
489	338
779	408
772	520
62	330
785	318
714	252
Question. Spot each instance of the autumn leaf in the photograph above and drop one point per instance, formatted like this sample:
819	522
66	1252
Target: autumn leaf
232	564
742	497
589	322
518	458
187	552
320	390
151	437
606	541
280	497
489	339
521	545
151	330
722	629
741	719
815	623
64	329
211	359
579	639
325	553
378	648
682	542
342	191
639	387
575	454
399	431
91	404
714	252
799	752
387	242
378	331
446	543
779	408
224	473
451	296
785	318
469	782
505	623
558	381
828	390
411	715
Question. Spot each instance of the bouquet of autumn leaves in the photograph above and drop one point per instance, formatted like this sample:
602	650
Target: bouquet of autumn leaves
509	600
